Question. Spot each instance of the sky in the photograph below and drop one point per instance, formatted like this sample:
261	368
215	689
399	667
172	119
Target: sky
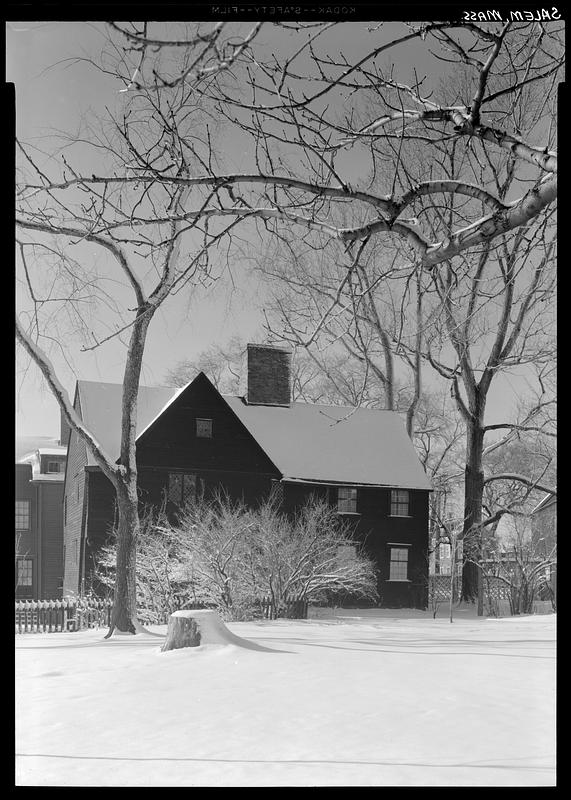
377	697
49	97
51	93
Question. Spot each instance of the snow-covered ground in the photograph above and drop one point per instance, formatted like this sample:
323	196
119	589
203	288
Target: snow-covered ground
361	698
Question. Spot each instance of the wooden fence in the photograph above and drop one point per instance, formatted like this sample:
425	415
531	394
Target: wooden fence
51	616
289	608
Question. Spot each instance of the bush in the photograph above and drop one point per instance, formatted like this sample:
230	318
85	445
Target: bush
223	555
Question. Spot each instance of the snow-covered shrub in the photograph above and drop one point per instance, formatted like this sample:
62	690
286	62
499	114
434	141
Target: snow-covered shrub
238	556
221	554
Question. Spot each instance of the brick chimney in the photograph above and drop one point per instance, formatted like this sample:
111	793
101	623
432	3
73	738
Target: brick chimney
269	382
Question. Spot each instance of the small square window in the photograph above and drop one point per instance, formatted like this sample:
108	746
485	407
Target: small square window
22	515
346	499
53	466
399	564
204	428
400	503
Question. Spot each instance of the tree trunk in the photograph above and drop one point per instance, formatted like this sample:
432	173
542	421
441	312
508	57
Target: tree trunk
124	615
473	498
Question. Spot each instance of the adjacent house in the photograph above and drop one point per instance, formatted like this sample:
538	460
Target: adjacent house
39	524
196	440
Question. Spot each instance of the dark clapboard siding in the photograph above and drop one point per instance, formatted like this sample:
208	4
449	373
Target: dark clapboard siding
172	442
51	499
373	526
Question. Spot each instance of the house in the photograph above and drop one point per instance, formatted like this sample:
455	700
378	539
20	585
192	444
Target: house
39	523
196	439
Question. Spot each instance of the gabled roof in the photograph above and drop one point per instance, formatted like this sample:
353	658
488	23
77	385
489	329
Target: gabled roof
101	411
329	444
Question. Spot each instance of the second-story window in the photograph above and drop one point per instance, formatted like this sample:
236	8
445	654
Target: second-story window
346	500
204	428
400	503
53	466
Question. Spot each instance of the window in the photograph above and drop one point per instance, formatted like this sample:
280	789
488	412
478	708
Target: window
346	500
22	515
400	503
399	564
53	466
204	428
347	552
444	551
181	488
24	572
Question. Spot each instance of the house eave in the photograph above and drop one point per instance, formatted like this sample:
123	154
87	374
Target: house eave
332	482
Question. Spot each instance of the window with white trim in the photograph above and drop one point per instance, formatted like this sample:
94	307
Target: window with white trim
346	499
399	564
22	515
181	487
400	503
203	428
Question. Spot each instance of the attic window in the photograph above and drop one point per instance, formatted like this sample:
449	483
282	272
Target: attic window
346	500
204	428
53	466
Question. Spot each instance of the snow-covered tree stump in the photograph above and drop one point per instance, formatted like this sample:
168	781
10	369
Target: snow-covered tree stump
202	627
183	631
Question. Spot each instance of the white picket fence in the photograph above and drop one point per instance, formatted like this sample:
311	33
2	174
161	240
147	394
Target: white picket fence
51	616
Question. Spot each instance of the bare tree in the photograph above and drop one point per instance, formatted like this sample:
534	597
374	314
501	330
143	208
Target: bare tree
158	201
64	214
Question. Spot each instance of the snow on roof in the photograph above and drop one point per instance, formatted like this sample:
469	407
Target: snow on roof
101	411
330	444
34	459
26	445
53	451
336	444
